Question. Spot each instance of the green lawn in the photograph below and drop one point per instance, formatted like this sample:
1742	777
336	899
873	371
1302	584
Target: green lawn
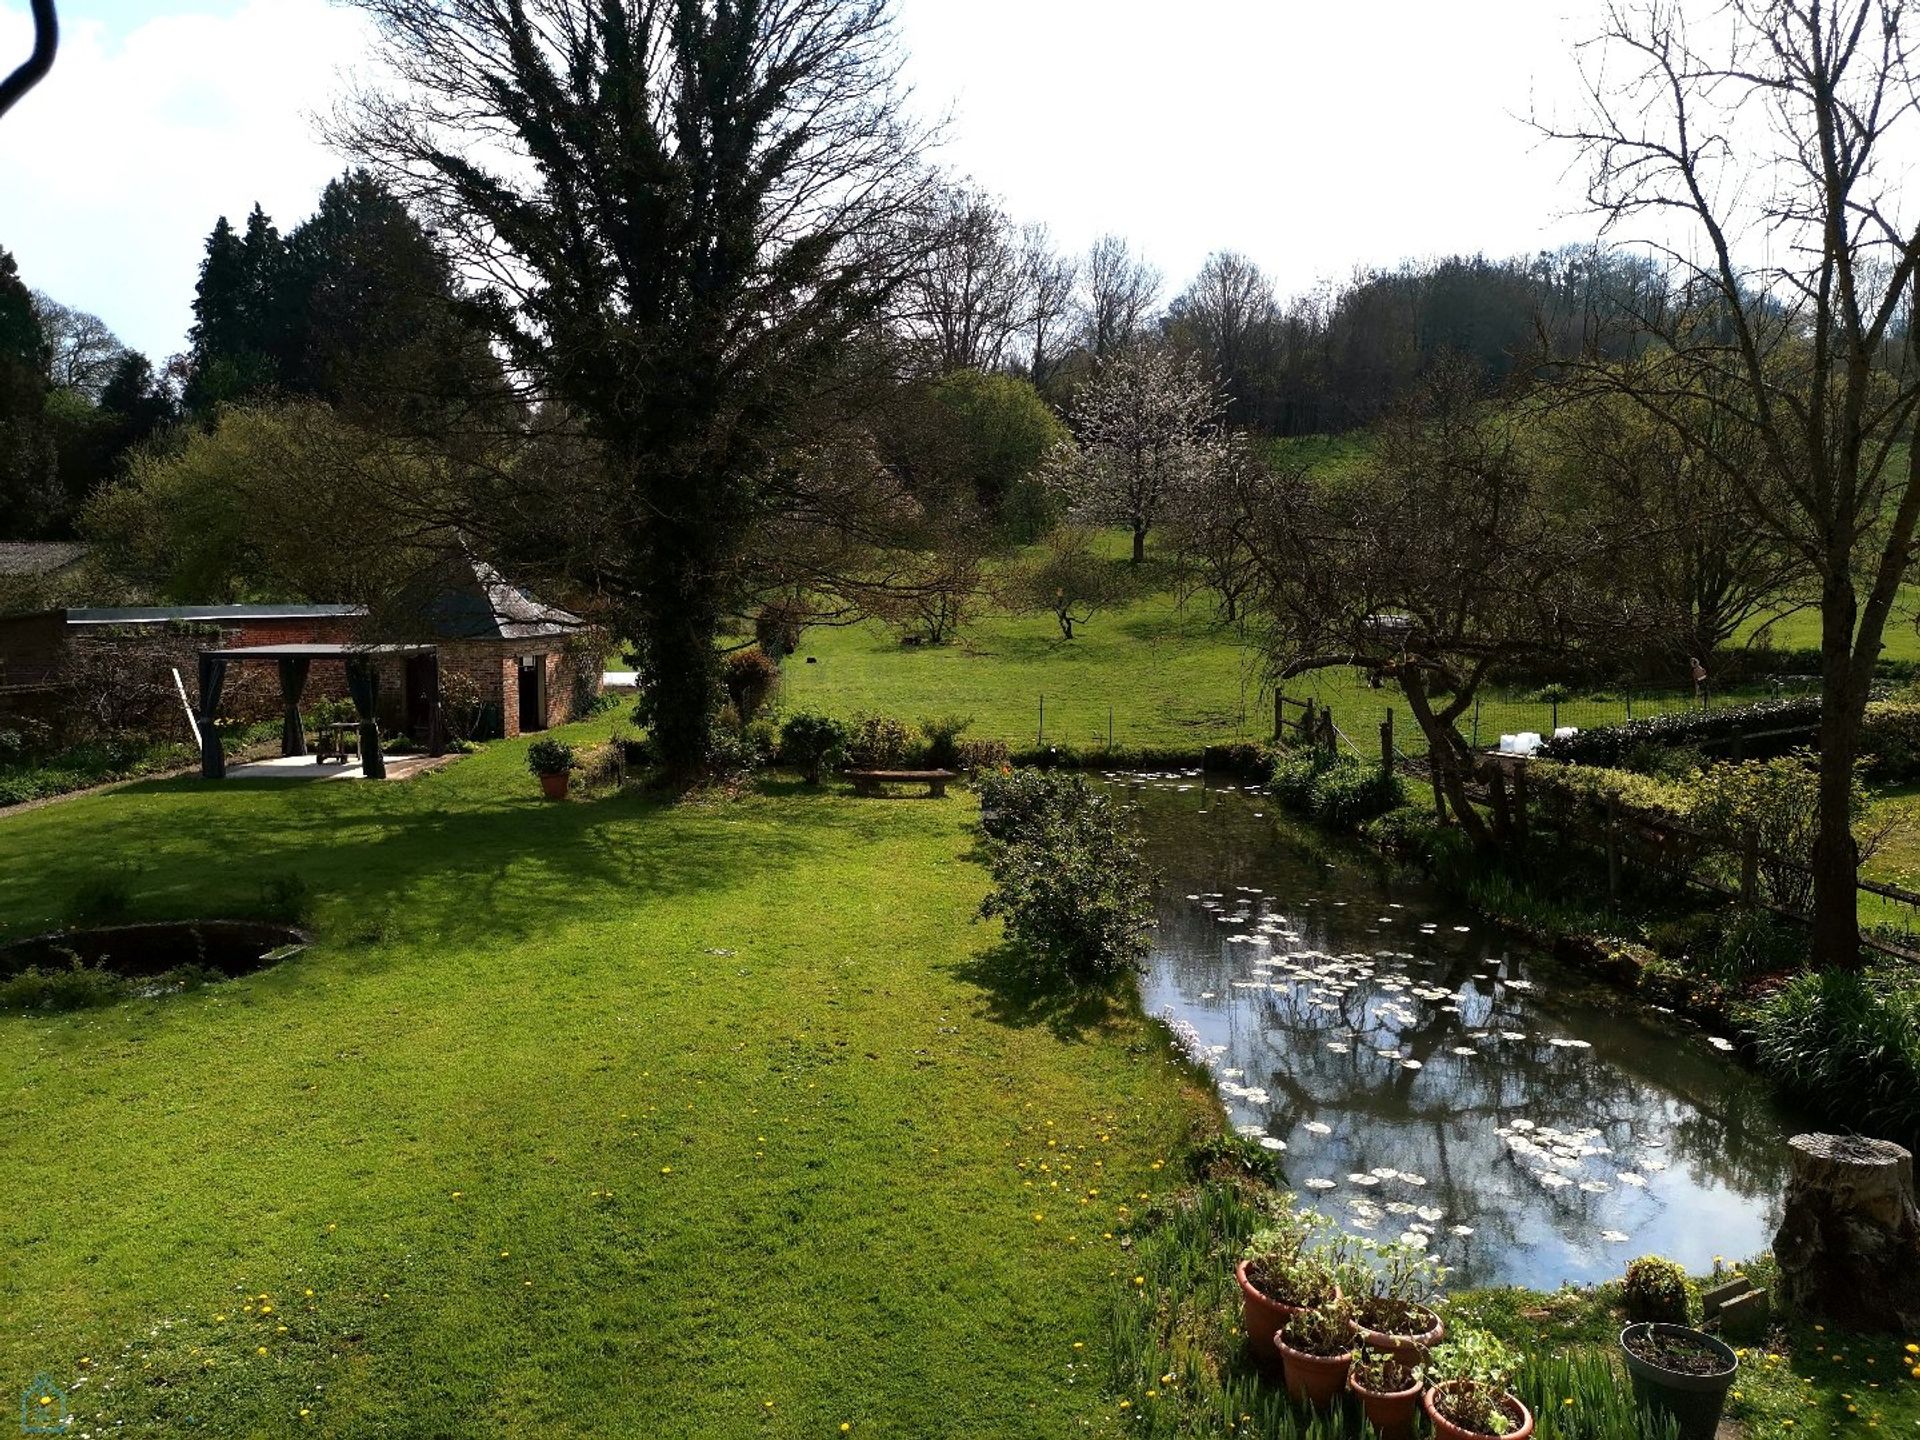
605	1118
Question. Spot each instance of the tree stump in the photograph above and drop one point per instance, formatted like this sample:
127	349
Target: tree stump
1849	1242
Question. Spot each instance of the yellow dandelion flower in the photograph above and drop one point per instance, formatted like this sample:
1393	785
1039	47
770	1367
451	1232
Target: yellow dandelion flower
260	1350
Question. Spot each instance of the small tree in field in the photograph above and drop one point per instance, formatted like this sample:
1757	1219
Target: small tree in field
1148	426
1069	580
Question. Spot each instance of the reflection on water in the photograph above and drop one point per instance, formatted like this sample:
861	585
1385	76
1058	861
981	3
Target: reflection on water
1424	1074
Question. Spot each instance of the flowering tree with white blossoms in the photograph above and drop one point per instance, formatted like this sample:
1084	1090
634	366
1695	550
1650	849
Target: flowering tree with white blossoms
1147	426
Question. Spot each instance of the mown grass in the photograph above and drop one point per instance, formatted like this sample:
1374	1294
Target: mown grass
605	1118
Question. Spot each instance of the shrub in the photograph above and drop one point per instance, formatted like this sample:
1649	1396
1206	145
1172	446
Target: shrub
1776	804
749	677
776	629
732	753
942	735
1071	883
76	988
1342	793
810	743
980	754
878	742
1655	1291
1578	786
549	757
1408	830
1890	737
1016	804
1846	1046
1615	744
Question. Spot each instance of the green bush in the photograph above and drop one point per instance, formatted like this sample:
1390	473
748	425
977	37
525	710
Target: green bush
286	897
78	987
733	753
941	734
1847	1046
1890	738
1070	879
1655	1291
980	754
749	677
1615	744
549	757
810	743
1582	786
1776	804
1342	794
1409	830
878	742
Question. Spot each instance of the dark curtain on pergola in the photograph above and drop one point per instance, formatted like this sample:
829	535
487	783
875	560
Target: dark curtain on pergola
213	679
363	684
293	684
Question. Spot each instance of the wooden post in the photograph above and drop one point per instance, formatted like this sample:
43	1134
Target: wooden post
1279	715
1749	871
1520	817
1327	735
1849	1240
1613	847
1309	726
1386	743
1042	740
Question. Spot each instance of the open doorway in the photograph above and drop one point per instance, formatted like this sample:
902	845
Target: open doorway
533	693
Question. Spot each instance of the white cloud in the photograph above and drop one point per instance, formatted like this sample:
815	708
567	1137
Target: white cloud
113	171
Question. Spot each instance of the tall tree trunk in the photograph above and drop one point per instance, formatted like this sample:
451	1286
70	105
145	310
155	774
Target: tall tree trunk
1836	858
1139	542
679	626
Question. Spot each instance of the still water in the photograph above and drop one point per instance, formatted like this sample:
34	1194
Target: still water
1421	1073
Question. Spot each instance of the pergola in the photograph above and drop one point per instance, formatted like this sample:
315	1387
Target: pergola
294	663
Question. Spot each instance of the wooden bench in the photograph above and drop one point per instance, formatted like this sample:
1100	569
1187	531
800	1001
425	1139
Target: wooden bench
868	782
336	742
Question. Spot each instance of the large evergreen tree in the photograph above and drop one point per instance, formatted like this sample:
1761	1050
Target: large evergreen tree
29	481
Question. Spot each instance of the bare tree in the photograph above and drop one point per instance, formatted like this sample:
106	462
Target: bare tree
684	217
85	351
1147	425
1118	292
1228	314
1767	151
1049	280
965	301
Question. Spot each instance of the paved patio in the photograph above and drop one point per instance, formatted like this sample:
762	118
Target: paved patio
301	767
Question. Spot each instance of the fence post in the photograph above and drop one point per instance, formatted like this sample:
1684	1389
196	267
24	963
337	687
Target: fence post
1749	870
1555	702
1279	714
1041	740
1386	743
1309	724
1476	722
1629	702
1520	817
1109	727
1613	847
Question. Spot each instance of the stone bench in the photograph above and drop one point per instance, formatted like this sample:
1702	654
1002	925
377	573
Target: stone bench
869	782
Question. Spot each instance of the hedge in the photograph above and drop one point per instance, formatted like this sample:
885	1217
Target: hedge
1614	744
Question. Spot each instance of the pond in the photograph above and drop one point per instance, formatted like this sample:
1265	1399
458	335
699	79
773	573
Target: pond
1421	1073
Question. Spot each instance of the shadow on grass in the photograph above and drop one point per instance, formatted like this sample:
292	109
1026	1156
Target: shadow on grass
1014	996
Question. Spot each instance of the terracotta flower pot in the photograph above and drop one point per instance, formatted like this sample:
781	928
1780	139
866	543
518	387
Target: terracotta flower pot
554	787
1445	1429
1262	1318
1405	1344
1316	1379
1389	1412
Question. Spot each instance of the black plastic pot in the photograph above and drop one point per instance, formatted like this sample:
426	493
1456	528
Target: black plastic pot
1694	1401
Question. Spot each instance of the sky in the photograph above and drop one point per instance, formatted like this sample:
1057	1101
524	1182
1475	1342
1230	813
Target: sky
1315	138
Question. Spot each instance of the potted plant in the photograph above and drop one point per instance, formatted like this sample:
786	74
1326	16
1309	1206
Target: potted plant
1280	1276
1680	1372
1316	1352
1387	1384
552	761
1470	1392
1397	1311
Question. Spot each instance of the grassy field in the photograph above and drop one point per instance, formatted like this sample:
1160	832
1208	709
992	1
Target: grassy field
606	1118
1152	673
